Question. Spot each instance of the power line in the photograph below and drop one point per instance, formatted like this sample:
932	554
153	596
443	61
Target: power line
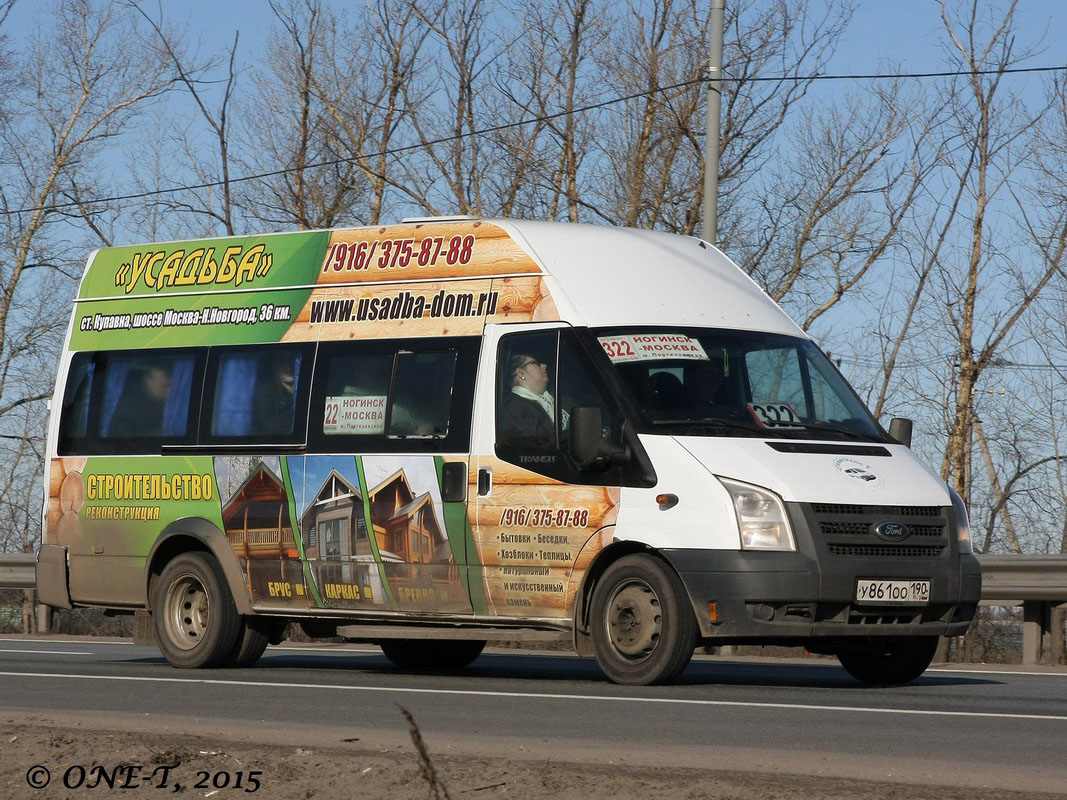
517	124
890	75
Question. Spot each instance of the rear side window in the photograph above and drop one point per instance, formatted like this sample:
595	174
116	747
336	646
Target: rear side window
130	401
393	396
258	395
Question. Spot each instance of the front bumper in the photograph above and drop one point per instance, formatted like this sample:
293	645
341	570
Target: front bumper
794	597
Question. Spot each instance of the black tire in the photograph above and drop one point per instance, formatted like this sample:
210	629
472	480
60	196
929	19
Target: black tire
642	624
437	655
252	640
889	660
196	621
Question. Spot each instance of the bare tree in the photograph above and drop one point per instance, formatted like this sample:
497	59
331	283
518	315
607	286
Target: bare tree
215	201
365	93
541	167
995	127
72	90
447	129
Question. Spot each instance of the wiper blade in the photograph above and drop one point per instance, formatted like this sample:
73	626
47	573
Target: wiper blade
711	422
826	426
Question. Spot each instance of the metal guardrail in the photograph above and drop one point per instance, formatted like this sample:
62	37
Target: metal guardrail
1025	577
1037	582
1004	577
18	571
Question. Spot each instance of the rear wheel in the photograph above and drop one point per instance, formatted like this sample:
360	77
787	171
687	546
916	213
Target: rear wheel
889	660
432	654
195	617
642	624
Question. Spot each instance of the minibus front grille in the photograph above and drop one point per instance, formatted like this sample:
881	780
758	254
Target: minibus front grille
864	528
887	550
844	509
851	530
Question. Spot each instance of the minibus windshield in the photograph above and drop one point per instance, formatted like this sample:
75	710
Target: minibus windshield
711	382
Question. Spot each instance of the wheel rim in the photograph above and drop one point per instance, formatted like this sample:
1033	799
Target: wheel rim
186	612
634	620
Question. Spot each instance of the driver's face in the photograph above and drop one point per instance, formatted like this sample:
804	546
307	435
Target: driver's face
534	376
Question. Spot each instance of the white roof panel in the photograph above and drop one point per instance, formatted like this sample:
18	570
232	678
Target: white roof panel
626	276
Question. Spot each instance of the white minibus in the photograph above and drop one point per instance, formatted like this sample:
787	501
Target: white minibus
449	431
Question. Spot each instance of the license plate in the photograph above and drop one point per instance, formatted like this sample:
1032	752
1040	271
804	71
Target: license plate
892	591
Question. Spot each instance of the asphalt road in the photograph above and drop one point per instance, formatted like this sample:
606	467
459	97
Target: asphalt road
983	727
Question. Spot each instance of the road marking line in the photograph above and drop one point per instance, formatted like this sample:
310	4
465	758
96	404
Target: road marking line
49	652
40	641
545	696
999	672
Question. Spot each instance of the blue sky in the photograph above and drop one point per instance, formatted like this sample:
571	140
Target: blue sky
908	33
883	32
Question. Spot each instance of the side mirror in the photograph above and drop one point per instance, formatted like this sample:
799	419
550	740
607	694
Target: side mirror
900	429
454	481
588	443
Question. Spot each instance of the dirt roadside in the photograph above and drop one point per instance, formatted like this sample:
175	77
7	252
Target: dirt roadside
170	763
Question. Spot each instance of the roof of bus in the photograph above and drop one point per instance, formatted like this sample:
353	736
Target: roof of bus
615	276
596	275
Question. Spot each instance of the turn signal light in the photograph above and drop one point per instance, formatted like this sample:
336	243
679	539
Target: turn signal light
666	501
713	613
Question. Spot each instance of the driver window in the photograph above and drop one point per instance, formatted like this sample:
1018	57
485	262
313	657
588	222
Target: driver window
527	412
580	385
541	378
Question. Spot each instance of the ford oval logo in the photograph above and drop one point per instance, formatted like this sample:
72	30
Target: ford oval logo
892	531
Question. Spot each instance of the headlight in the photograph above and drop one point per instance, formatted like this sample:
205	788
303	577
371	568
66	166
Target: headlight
963	525
761	517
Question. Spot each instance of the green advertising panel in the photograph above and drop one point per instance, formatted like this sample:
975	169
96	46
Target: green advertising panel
187	320
207	265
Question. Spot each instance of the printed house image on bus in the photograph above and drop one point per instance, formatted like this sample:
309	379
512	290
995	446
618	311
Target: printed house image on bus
256	519
409	542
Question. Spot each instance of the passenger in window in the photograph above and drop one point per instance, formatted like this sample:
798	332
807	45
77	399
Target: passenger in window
275	398
139	411
528	414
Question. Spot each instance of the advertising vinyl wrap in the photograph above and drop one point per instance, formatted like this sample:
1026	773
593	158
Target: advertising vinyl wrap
360	531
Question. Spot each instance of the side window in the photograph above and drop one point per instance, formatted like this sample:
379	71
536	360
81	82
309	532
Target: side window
422	394
356	392
258	393
526	415
541	378
394	396
581	385
129	402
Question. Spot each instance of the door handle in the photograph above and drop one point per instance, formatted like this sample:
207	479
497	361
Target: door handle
485	481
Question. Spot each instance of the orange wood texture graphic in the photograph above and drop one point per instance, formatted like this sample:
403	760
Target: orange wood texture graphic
536	537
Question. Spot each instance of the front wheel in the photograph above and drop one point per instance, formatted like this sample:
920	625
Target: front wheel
889	660
196	620
444	655
643	627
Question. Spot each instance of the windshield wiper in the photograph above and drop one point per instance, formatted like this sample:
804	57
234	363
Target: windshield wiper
711	422
826	426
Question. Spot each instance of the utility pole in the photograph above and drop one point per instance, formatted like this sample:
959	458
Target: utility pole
711	138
